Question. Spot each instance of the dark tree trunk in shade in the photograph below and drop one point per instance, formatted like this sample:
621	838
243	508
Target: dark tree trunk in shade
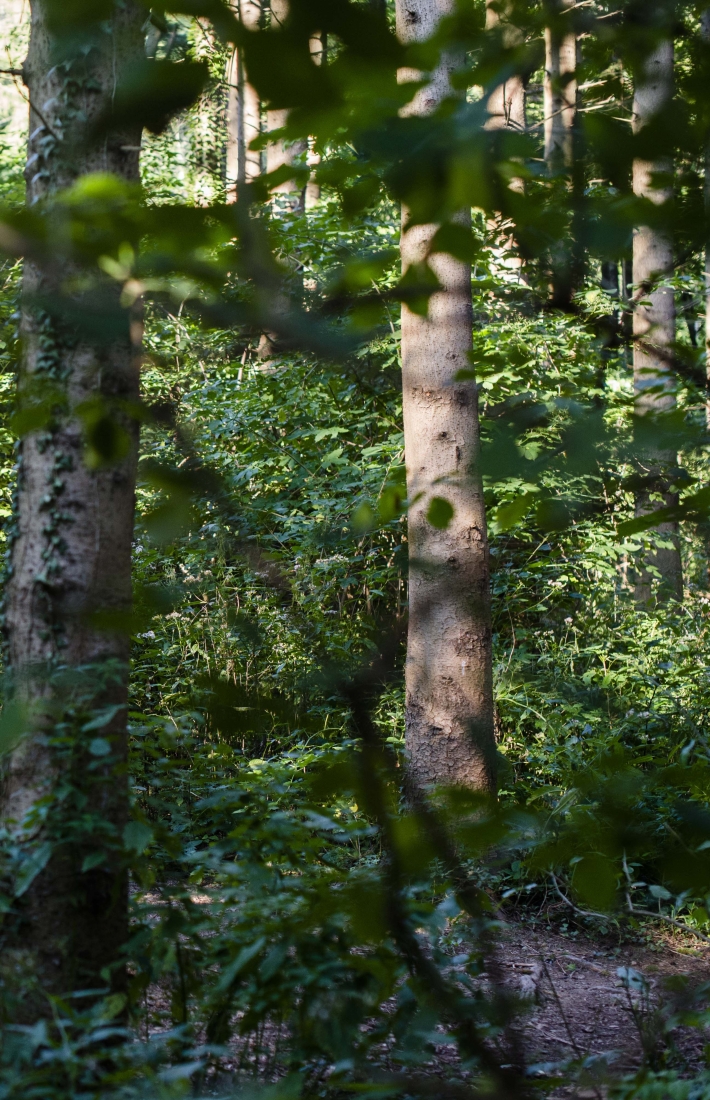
449	698
71	558
654	329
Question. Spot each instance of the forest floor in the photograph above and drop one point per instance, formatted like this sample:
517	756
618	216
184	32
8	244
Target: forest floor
579	1007
583	1023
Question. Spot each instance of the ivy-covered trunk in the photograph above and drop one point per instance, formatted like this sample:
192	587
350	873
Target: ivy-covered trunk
65	784
654	329
449	708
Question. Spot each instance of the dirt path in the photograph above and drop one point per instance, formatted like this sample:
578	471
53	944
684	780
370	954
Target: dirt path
580	1005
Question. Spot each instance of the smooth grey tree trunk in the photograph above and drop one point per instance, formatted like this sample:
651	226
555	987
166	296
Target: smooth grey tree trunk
654	325
449	703
243	111
560	94
71	558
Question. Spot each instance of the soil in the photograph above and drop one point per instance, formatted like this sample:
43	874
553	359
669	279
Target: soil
576	1006
581	1006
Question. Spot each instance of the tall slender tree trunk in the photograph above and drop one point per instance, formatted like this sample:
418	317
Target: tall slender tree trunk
319	53
560	92
608	326
654	324
449	706
243	111
506	111
506	105
280	152
705	30
64	794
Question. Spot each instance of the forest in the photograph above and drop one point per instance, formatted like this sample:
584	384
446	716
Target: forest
355	517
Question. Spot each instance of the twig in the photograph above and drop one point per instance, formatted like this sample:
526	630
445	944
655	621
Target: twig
10	72
668	920
580	912
555	994
633	911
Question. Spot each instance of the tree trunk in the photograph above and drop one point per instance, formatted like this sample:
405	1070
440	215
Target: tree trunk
449	707
608	326
559	93
506	111
319	53
280	152
64	794
506	105
654	326
243	112
705	29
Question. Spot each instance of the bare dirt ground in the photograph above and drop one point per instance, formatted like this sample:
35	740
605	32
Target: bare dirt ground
577	1003
581	1006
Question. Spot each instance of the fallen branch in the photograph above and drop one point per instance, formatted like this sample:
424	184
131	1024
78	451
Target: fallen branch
633	912
580	912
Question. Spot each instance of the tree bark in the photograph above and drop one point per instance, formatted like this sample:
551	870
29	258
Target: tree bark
560	93
319	53
506	111
654	325
280	152
506	105
705	30
243	111
449	706
64	793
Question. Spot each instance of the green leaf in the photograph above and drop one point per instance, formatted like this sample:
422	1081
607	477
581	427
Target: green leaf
510	514
137	836
100	747
363	519
245	956
595	881
35	862
151	92
13	725
94	859
440	513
